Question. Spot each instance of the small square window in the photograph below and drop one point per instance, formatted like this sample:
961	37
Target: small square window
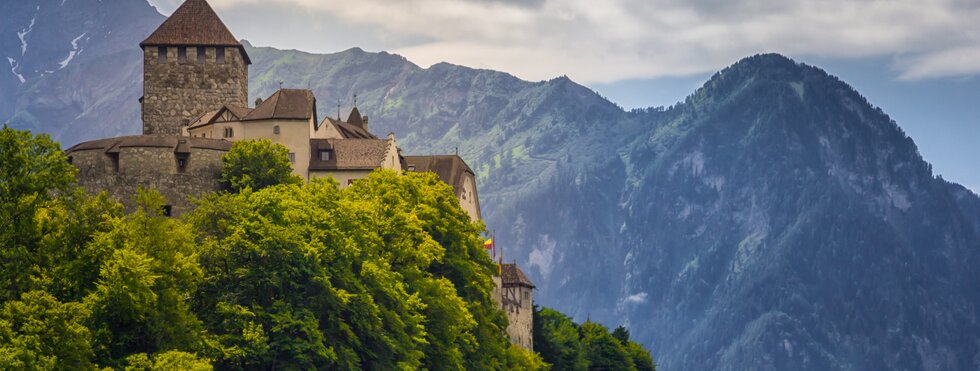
275	130
168	210
201	56
182	54
292	157
220	55
325	155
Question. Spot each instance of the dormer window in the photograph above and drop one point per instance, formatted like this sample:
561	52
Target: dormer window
326	155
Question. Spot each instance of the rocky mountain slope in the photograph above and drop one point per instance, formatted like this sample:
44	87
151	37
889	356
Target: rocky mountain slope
774	220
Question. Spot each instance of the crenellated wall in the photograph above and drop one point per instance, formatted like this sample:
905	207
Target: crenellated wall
175	92
120	166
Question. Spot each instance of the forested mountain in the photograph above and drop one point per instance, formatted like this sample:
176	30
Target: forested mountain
773	220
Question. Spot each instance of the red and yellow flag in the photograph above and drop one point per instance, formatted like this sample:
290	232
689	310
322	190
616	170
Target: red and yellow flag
488	244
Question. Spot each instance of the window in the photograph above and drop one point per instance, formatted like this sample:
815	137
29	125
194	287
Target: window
181	162
229	132
527	295
292	157
325	155
182	54
201	56
220	56
275	130
168	210
162	55
114	160
411	167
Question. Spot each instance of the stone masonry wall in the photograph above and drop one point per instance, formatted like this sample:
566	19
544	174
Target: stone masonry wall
175	93
150	167
517	304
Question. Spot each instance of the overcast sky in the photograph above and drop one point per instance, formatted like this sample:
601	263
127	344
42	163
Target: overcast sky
596	41
917	59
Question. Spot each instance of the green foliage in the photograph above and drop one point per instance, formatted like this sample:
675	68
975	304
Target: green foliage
567	346
256	164
386	274
40	332
34	175
602	350
556	338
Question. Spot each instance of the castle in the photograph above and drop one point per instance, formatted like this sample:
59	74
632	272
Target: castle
195	104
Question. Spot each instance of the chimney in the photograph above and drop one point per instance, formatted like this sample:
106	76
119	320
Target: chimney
364	124
258	101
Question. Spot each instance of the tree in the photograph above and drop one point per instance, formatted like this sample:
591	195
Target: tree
556	338
40	332
641	357
34	174
139	303
603	351
621	334
256	164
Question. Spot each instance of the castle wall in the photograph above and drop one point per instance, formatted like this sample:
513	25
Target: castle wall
149	167
517	304
176	93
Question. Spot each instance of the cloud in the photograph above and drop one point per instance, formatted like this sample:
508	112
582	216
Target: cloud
637	298
603	41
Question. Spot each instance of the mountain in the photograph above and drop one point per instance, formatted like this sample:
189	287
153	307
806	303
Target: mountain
773	220
72	67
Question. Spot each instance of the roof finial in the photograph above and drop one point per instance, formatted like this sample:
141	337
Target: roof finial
457	151
280	84
355	100
338	109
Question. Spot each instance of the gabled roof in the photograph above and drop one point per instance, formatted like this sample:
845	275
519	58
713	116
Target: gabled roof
211	117
349	154
193	23
286	104
511	275
347	130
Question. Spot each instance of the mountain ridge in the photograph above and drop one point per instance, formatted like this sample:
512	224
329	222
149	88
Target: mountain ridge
774	219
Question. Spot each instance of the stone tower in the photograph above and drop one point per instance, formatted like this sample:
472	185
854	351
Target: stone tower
191	64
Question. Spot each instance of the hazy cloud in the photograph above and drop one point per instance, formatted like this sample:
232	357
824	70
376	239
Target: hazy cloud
603	41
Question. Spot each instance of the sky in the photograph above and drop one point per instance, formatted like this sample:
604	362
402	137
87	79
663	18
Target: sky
917	59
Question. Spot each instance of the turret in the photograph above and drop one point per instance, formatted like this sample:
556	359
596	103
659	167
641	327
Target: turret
191	64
